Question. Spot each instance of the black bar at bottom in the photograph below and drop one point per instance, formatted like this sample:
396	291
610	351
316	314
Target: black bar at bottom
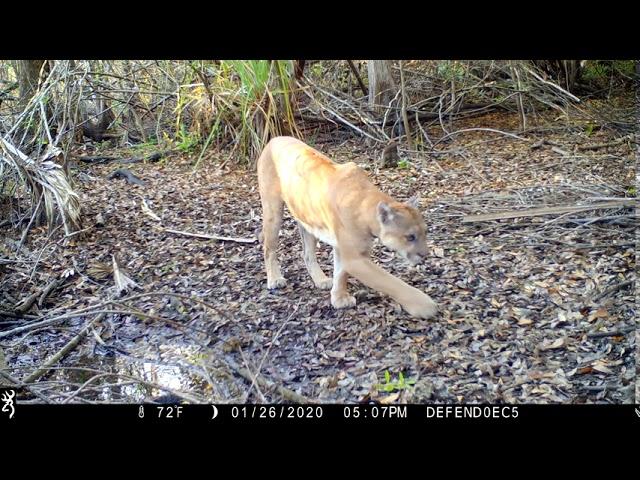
332	414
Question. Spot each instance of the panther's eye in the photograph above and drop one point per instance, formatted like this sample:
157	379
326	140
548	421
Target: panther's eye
411	238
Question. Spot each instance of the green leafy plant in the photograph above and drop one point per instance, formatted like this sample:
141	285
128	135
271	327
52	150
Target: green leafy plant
403	163
625	67
186	141
396	384
595	70
450	69
588	130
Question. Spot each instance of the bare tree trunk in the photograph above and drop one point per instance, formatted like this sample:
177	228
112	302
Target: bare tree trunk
405	118
563	72
298	69
28	72
356	74
382	87
572	71
523	116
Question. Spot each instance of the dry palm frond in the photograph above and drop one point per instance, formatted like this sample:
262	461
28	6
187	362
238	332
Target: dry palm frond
122	282
100	270
29	155
45	179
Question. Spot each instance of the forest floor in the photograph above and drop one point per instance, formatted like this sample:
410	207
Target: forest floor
535	309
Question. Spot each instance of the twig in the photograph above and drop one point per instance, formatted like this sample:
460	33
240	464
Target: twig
51	321
57	283
613	143
36	212
8	313
533	212
63	351
27	303
254	379
211	237
356	74
573	97
266	384
266	354
613	333
15	383
612	289
147	210
482	130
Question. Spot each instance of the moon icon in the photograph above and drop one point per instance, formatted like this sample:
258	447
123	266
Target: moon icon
215	412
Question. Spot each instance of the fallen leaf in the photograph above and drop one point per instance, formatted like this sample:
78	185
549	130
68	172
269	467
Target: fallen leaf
390	398
599	313
335	354
600	367
553	345
584	370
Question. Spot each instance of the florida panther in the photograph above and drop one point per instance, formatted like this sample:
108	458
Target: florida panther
339	205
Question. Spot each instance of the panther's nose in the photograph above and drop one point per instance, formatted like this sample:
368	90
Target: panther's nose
417	259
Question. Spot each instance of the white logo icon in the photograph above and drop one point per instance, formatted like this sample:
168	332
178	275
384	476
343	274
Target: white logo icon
7	398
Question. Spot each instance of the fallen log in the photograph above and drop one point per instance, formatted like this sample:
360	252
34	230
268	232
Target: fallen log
154	157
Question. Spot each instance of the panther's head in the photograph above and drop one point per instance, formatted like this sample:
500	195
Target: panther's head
402	229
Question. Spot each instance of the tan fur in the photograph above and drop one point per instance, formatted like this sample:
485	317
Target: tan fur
340	206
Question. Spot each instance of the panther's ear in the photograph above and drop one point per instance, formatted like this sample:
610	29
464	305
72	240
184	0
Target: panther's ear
414	202
385	213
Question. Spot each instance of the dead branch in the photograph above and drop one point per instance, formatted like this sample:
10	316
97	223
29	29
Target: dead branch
534	212
612	289
481	129
266	384
596	146
557	87
154	157
50	288
614	333
15	383
554	147
63	351
211	237
147	210
356	74
41	294
27	303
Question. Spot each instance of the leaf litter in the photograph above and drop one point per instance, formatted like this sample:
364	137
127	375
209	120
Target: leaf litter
533	310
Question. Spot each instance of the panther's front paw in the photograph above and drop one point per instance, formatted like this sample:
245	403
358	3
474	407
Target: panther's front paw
343	301
422	308
324	284
276	283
